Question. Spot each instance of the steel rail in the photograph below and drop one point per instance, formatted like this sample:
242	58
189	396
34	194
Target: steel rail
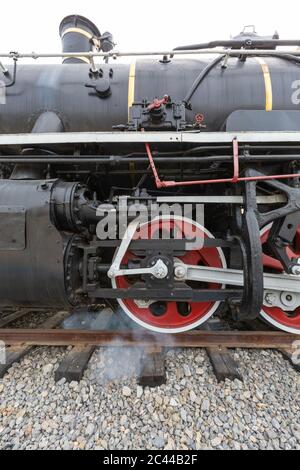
194	339
116	54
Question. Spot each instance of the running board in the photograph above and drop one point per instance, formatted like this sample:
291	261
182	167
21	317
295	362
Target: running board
148	137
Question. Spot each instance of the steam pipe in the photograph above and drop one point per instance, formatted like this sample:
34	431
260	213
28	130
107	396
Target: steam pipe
258	43
116	54
90	159
78	34
14	74
199	79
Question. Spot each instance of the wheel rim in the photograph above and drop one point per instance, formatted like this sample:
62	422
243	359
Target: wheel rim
173	317
276	316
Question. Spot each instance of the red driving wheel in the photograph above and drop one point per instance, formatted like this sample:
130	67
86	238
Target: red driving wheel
172	317
284	320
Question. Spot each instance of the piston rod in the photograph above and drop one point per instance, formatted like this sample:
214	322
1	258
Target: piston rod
235	277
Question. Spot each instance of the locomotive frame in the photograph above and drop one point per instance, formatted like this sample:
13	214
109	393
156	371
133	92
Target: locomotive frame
288	199
49	181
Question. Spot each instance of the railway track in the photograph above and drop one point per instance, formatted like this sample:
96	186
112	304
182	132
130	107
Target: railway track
217	339
192	339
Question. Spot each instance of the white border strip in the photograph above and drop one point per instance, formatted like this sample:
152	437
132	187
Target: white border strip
150	137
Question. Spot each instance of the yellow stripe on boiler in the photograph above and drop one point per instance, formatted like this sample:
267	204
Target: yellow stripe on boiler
268	83
131	86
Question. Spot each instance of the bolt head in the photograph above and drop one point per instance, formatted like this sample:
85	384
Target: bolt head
296	270
179	272
270	298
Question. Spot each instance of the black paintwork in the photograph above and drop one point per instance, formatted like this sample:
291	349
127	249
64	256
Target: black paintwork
61	89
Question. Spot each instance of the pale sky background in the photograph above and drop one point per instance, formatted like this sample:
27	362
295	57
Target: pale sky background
32	25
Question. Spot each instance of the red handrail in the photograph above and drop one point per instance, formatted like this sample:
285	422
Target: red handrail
235	179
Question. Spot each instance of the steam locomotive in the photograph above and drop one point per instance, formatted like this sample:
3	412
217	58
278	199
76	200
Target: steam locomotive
167	188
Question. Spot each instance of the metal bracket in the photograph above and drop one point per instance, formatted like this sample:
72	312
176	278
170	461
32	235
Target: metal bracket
285	219
128	236
159	114
251	249
282	234
292	195
159	271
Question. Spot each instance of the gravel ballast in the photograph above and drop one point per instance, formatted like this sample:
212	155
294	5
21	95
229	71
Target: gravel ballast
108	410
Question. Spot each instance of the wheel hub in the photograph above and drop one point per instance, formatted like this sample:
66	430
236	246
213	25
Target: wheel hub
162	270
